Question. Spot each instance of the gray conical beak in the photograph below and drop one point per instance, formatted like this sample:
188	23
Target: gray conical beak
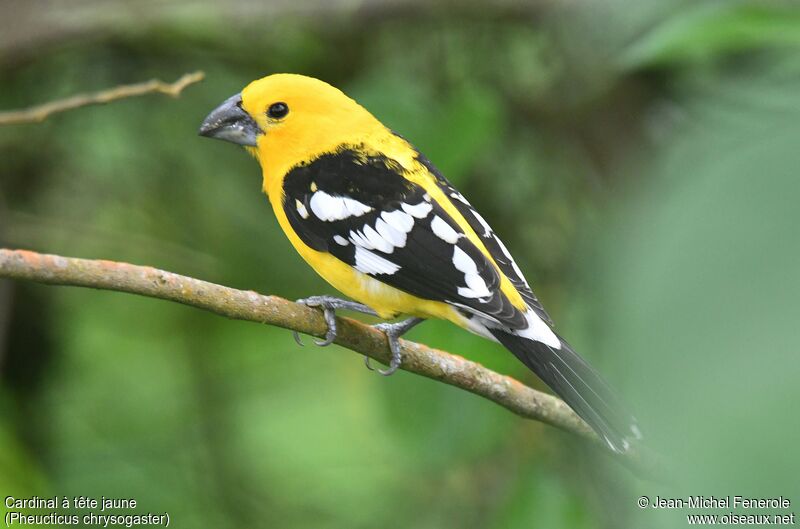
230	122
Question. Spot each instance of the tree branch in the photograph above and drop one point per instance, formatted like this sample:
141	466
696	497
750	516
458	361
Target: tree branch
251	306
39	113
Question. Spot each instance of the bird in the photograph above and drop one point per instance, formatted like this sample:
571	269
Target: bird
376	219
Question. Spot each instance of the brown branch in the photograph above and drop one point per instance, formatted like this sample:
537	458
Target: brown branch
39	113
252	306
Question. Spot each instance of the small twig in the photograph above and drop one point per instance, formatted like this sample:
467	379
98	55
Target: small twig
39	113
356	336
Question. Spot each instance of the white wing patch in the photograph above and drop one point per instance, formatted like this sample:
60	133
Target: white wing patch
396	236
464	262
420	210
375	239
443	230
476	286
399	220
538	330
460	198
368	262
358	238
328	207
487	230
391	231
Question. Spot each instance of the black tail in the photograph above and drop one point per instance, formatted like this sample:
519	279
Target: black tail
579	385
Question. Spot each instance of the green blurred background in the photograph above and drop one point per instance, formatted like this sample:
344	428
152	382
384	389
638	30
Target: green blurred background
640	159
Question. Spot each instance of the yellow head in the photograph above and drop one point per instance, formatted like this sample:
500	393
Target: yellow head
284	119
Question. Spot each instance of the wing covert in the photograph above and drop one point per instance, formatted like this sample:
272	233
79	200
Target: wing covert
493	244
361	210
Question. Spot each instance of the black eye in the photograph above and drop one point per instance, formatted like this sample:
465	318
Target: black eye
277	110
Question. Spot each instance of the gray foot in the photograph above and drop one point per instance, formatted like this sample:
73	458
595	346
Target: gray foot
329	304
393	333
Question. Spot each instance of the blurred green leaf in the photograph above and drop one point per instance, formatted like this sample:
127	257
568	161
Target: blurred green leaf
700	293
706	31
540	498
453	129
19	474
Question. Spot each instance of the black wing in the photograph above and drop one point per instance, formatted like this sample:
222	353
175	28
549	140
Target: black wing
493	244
364	212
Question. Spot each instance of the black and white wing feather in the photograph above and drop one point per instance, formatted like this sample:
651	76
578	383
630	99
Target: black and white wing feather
493	244
362	210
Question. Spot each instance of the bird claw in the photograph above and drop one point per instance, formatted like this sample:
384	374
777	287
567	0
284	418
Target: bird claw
392	335
328	306
366	363
393	332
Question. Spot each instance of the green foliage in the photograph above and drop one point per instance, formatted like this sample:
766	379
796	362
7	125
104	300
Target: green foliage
647	190
706	31
703	291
